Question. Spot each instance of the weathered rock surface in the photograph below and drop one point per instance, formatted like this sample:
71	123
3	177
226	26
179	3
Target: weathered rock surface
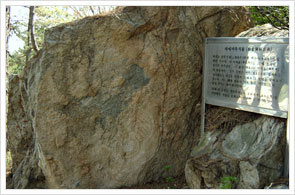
243	153
113	99
21	138
240	144
265	30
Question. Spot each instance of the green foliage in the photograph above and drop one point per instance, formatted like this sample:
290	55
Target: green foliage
45	17
278	16
16	62
228	182
167	167
169	179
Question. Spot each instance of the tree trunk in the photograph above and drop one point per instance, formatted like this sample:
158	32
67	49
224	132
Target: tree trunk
7	36
31	29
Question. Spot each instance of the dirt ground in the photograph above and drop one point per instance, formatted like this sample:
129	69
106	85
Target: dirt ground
175	183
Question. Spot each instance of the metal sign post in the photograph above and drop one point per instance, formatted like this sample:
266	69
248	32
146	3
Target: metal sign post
286	160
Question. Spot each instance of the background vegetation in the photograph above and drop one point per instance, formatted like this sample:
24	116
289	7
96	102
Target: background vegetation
277	16
31	29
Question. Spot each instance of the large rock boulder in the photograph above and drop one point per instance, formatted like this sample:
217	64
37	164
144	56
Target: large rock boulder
239	144
113	99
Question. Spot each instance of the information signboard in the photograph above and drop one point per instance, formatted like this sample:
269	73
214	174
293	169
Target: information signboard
250	74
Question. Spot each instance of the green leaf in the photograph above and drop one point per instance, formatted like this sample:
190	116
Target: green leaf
167	167
226	186
227	182
169	179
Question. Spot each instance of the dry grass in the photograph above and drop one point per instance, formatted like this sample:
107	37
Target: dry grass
225	119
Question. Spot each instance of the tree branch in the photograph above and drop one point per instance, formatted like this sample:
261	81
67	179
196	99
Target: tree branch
91	9
76	11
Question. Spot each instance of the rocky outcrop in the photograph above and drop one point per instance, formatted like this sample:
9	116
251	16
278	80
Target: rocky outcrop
21	138
252	152
113	99
247	146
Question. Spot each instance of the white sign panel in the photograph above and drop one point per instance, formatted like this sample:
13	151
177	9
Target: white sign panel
250	74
